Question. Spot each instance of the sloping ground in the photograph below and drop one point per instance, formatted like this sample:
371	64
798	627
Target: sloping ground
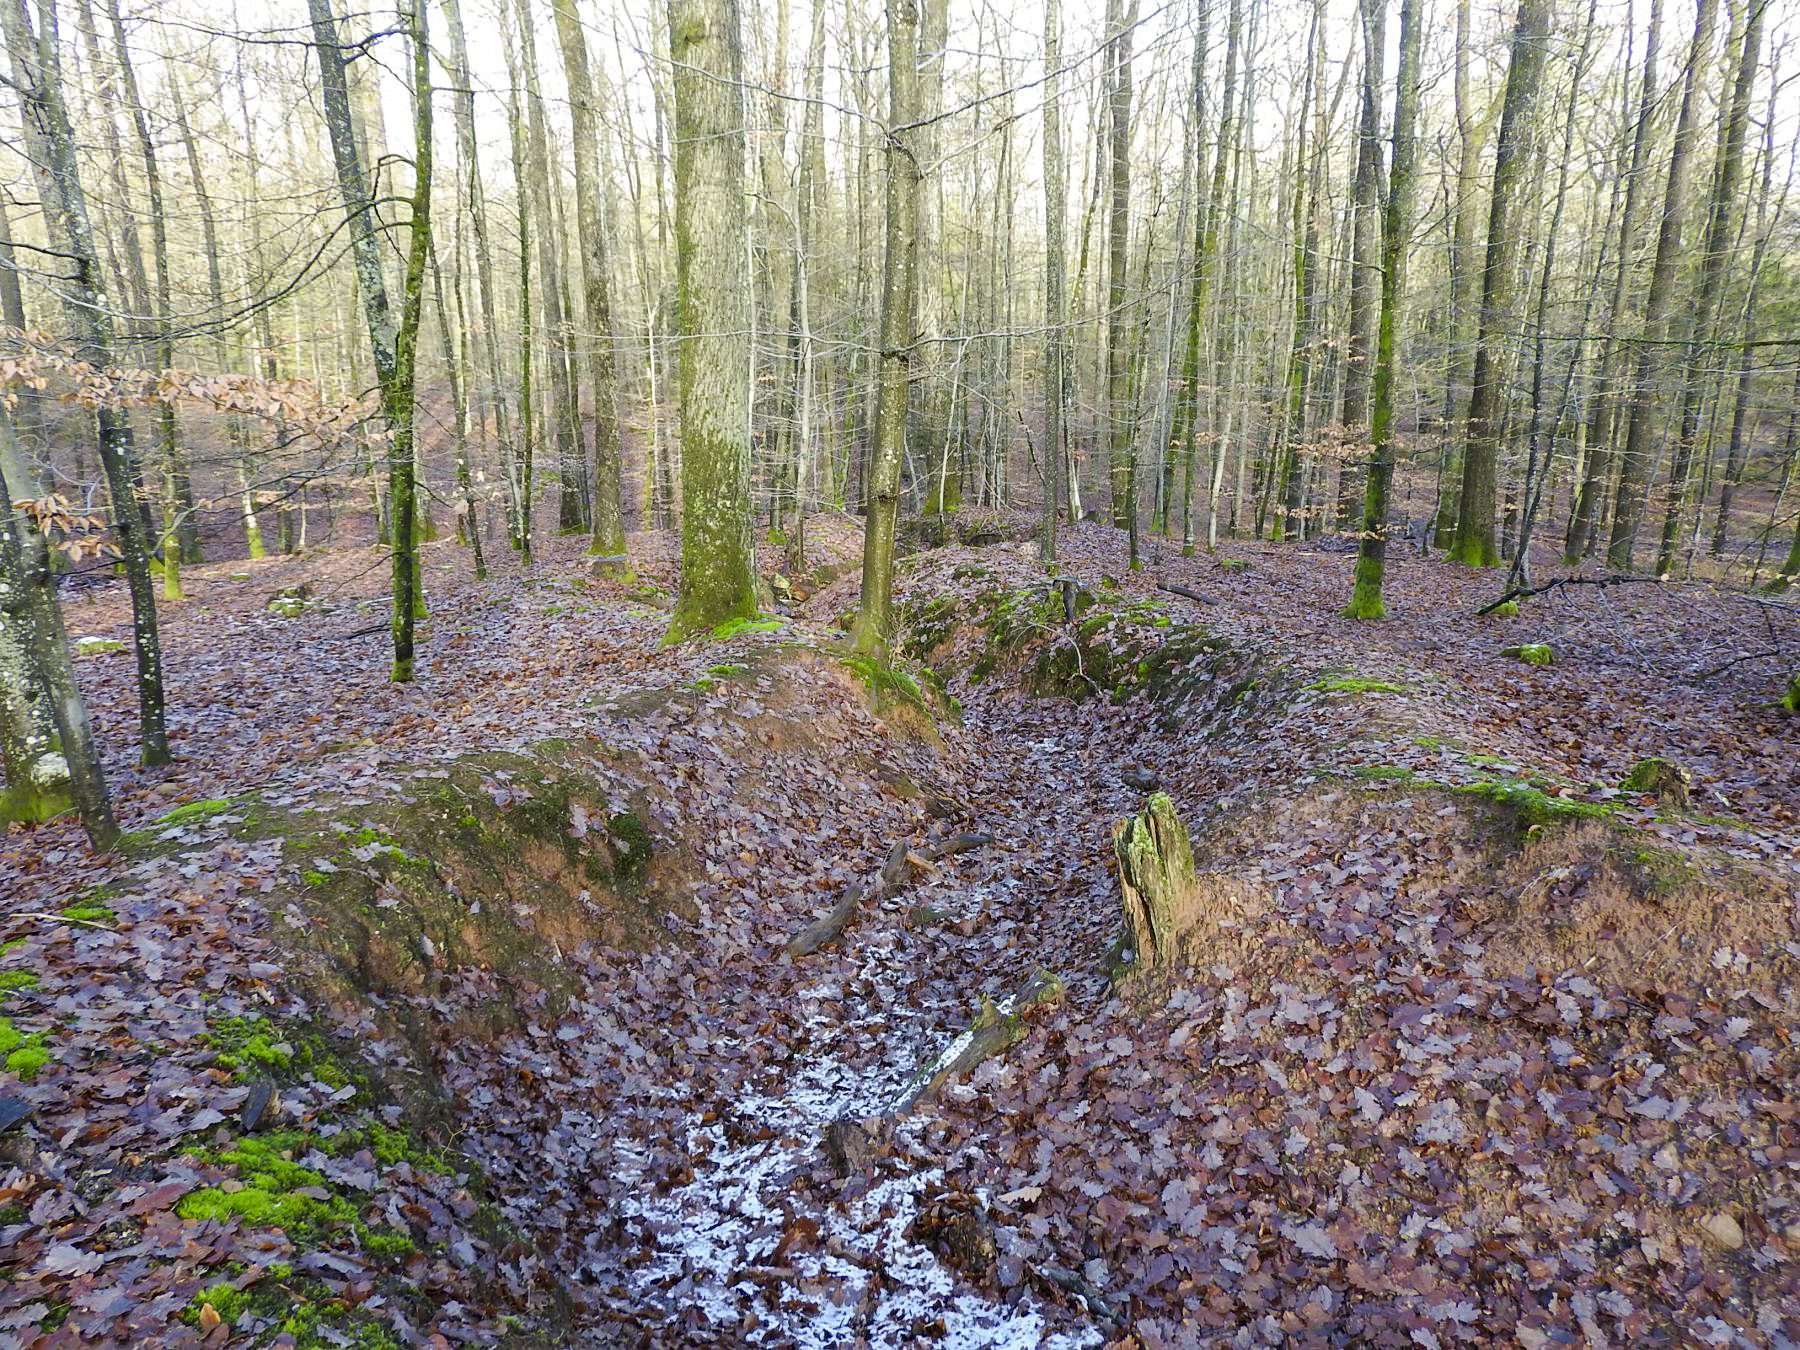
1492	1050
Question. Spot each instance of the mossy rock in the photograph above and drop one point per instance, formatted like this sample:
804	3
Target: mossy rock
1668	781
1531	653
94	646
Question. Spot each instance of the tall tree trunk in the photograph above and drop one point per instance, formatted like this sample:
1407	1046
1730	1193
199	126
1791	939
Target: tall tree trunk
50	146
393	345
875	614
1598	473
1475	544
573	512
1634	462
1471	136
718	577
1371	556
180	525
591	216
1056	350
1720	227
1365	236
1122	461
462	107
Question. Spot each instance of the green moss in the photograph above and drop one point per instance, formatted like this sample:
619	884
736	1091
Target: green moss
315	878
632	846
1429	742
23	1052
1355	684
1531	653
88	913
762	623
1510	610
271	1184
1391	773
1534	806
191	811
12	981
1233	564
1791	699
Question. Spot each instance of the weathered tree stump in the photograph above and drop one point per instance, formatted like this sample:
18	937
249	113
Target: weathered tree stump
1156	878
1668	780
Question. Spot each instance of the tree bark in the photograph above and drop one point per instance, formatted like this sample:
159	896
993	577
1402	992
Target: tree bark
50	145
394	345
1634	462
875	615
1366	600
1475	543
718	579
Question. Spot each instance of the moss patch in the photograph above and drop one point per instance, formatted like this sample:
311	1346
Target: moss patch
1355	684
1532	805
762	623
24	1053
1531	653
192	811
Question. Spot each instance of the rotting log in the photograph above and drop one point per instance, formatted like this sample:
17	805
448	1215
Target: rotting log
997	1027
851	1143
830	926
1185	592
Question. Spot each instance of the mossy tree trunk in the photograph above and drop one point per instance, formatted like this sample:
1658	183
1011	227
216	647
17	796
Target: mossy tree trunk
1475	543
718	577
51	147
1056	349
394	345
875	613
1371	555
1709	291
34	660
1156	872
1585	516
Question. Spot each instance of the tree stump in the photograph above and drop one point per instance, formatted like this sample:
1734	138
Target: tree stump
1156	877
1664	777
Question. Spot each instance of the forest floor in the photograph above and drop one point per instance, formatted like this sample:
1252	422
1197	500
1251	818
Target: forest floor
460	1013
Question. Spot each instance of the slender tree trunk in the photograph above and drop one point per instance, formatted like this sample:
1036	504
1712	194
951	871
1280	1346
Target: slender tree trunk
462	107
1471	135
1371	559
51	147
718	578
1721	226
1601	424
1055	303
1365	246
591	216
1634	463
1122	461
394	345
875	615
1475	544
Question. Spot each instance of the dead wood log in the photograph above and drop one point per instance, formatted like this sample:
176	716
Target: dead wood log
1185	592
831	925
997	1027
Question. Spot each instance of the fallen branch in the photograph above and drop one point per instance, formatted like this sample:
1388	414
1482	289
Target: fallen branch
64	918
997	1027
1186	593
1070	1282
372	629
831	925
1737	660
1525	592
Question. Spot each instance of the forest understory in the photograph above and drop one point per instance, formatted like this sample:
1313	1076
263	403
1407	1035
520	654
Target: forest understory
464	1011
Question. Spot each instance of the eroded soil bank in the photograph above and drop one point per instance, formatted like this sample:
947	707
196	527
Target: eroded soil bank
476	1021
